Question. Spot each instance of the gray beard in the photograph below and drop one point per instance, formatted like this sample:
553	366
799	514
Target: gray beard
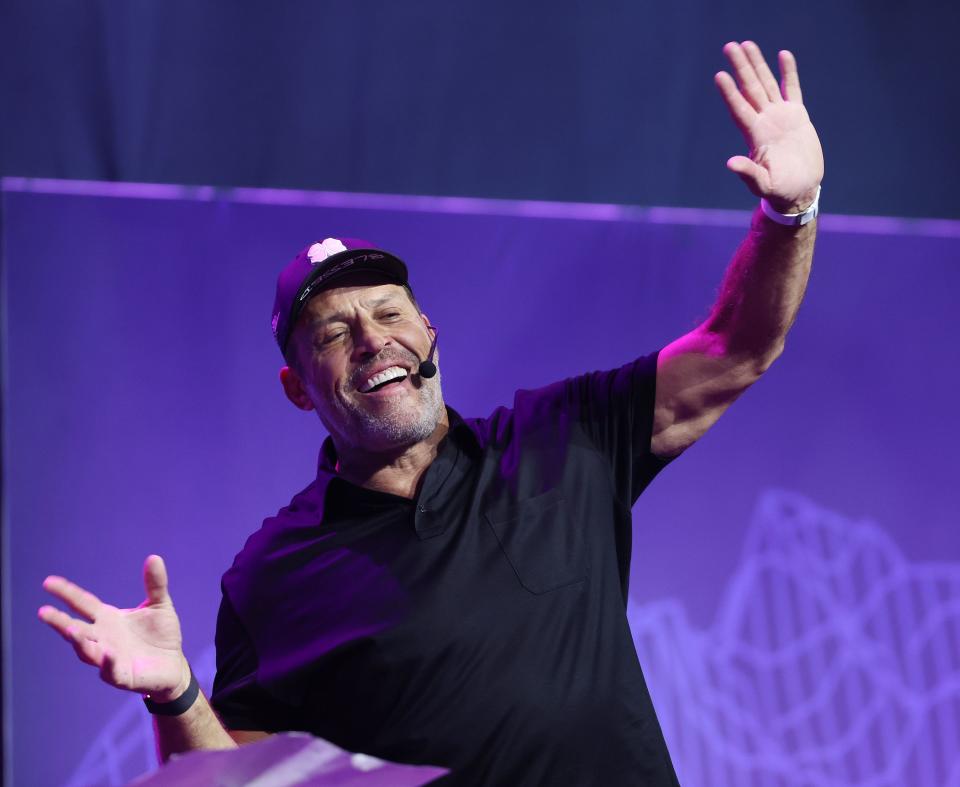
399	426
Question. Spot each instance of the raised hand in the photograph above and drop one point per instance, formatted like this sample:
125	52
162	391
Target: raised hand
785	164
135	649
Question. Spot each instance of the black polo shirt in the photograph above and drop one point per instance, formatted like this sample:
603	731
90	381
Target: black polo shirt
481	626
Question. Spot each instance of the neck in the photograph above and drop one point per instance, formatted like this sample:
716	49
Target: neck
397	471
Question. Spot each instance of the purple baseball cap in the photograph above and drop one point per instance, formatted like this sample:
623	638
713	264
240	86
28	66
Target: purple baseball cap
316	267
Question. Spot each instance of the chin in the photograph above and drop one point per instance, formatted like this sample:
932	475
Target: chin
396	430
392	428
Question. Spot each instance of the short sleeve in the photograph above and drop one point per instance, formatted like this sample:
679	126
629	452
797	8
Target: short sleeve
239	700
615	410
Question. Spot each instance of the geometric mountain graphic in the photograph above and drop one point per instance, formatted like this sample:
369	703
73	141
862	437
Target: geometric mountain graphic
833	662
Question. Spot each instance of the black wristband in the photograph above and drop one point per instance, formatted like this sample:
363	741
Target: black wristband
178	706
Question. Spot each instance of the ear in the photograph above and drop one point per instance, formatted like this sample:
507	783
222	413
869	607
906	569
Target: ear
294	389
427	323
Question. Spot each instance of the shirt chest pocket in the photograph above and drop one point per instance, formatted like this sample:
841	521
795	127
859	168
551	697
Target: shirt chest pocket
542	542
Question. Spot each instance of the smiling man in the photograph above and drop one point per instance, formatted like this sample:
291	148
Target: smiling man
354	336
452	591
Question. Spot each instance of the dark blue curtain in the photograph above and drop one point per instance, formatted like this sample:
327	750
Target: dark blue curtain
567	100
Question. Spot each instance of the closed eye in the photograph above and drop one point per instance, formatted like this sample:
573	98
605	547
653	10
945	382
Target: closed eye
333	336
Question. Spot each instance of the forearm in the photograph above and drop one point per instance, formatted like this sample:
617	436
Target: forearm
197	728
762	290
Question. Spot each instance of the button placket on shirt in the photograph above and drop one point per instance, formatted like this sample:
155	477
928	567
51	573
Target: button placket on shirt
444	470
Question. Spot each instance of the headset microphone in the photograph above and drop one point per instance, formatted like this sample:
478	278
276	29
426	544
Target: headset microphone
428	368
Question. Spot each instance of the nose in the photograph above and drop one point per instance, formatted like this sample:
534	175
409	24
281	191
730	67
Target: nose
369	338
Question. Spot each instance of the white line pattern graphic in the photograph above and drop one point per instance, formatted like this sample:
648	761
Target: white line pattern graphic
832	662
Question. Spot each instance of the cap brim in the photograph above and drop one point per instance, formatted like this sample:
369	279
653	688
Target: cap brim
343	264
346	262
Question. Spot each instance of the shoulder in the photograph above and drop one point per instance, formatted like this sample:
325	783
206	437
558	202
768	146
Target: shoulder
292	523
582	400
592	394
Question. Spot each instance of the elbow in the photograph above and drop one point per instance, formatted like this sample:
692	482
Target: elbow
764	360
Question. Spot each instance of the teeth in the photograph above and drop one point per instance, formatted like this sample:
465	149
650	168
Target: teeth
393	373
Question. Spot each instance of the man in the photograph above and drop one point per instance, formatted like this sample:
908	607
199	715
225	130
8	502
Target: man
452	591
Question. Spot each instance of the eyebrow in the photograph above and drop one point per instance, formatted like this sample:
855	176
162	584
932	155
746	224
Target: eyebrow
341	317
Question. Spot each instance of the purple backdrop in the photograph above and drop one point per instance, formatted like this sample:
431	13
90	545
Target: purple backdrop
796	575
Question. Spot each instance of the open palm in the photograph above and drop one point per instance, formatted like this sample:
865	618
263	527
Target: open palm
136	649
785	162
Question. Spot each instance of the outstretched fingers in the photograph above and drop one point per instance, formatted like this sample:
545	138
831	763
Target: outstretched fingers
78	633
763	73
67	627
741	111
155	580
750	85
81	601
749	172
789	77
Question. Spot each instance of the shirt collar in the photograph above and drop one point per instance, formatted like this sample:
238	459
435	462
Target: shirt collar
460	432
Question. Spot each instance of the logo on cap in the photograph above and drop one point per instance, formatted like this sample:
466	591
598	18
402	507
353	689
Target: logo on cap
318	252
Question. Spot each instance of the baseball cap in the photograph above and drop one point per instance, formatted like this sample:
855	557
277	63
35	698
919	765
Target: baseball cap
316	267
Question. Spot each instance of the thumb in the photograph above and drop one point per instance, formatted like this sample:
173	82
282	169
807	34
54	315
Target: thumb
155	580
748	171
